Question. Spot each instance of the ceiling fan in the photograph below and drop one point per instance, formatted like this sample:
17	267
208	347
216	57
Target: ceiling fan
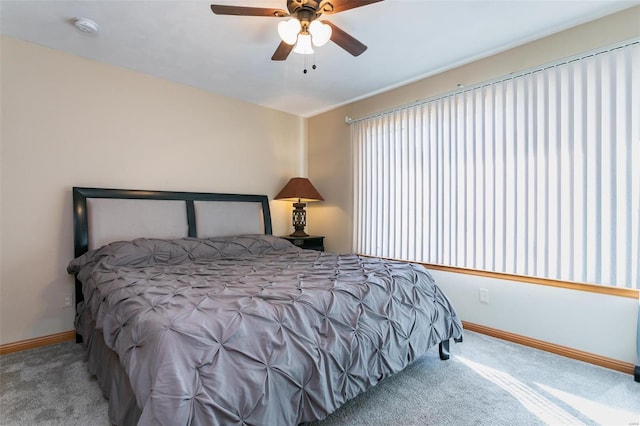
304	29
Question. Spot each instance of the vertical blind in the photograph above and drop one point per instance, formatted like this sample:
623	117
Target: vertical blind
536	174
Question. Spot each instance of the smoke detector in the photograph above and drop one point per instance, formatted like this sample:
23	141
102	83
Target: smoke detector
86	25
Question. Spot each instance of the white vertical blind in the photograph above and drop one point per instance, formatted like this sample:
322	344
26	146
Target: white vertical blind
537	174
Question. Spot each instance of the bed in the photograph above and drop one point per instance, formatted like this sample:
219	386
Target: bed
193	313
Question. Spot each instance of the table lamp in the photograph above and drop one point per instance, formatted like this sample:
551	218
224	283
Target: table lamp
301	191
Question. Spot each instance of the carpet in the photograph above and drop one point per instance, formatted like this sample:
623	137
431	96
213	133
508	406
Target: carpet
487	381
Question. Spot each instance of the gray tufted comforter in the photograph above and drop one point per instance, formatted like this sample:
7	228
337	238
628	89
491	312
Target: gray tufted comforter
251	329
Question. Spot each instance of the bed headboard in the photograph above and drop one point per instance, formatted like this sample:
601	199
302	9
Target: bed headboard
101	216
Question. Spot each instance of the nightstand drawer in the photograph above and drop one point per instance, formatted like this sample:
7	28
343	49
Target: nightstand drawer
312	242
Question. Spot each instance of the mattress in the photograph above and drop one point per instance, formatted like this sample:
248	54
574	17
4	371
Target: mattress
251	329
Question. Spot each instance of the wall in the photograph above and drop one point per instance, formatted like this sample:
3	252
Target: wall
603	325
67	121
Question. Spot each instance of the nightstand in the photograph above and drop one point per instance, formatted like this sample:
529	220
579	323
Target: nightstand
312	242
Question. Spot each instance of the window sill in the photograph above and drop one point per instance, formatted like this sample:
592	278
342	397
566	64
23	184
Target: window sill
592	288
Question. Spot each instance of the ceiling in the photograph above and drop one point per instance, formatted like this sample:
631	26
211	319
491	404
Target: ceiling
183	41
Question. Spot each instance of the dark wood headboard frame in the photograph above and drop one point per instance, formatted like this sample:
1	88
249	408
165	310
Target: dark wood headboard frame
81	224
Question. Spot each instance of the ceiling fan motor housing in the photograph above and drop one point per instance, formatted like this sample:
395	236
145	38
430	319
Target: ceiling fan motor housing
311	5
306	11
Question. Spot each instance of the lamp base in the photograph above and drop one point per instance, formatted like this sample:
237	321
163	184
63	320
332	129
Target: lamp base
299	218
299	233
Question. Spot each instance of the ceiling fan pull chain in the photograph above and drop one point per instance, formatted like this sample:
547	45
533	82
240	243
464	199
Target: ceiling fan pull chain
305	64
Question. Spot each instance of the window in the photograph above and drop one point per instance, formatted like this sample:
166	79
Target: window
535	174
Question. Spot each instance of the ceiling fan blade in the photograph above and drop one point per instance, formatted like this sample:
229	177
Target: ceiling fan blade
282	52
220	9
346	41
342	5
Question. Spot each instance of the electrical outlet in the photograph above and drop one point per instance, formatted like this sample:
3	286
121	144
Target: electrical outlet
67	300
484	296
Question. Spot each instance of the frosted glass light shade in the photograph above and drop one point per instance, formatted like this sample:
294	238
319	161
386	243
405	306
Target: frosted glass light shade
320	33
288	30
303	45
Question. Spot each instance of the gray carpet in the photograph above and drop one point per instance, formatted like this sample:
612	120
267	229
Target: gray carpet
486	382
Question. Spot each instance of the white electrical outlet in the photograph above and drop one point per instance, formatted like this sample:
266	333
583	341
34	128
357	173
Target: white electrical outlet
67	300
484	296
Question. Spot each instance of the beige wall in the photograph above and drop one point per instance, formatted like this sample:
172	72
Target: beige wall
329	165
67	121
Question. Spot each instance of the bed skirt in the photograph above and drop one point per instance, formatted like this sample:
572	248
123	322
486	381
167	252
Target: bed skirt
105	365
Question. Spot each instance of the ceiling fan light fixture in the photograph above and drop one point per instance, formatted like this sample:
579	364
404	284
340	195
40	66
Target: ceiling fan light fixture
303	46
320	33
300	32
288	30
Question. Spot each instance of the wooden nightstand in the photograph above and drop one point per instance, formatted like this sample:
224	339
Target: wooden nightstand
312	242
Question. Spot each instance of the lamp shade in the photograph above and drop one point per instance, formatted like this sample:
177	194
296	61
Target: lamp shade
320	33
303	46
288	31
299	188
